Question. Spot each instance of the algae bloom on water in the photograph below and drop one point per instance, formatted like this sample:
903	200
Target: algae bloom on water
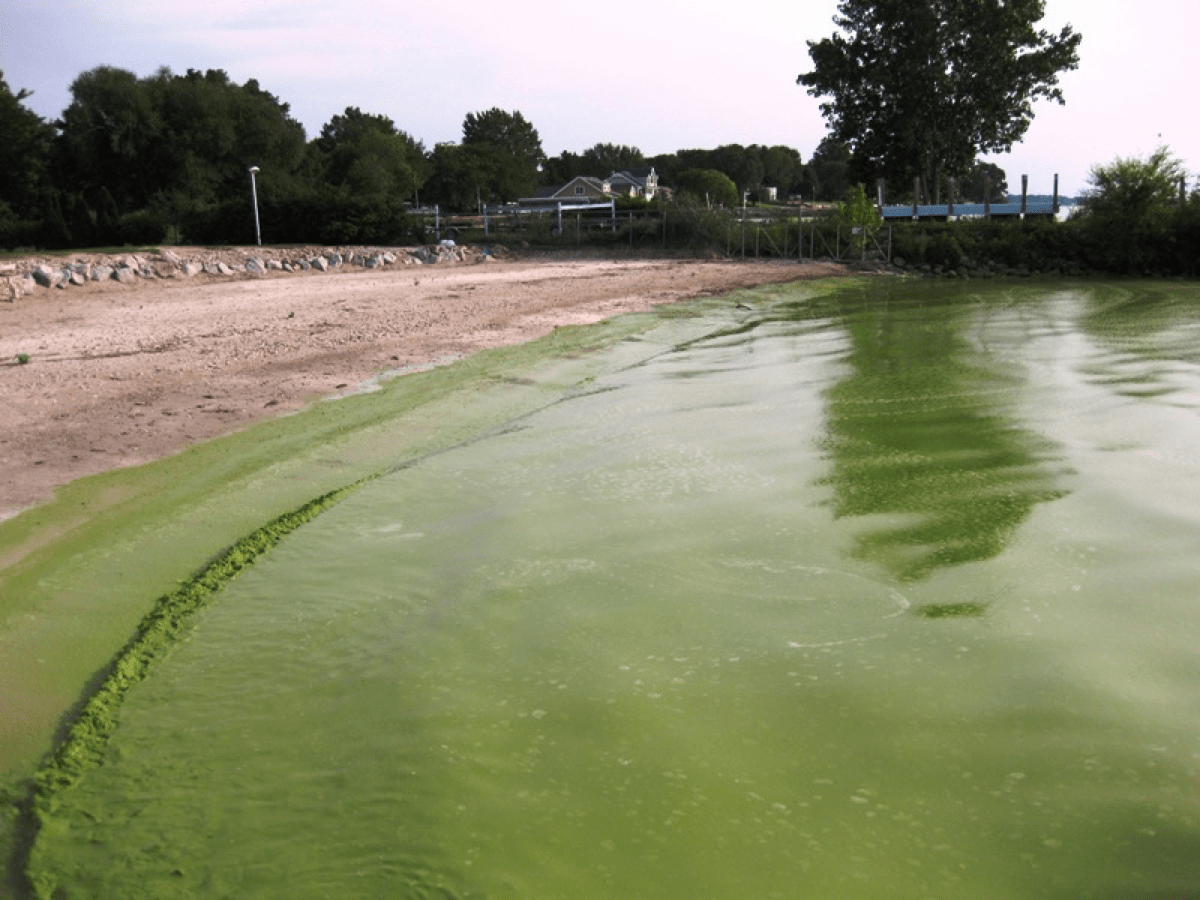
832	601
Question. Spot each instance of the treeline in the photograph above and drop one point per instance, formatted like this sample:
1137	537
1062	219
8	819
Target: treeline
140	160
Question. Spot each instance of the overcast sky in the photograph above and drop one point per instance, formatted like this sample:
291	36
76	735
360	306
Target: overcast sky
662	75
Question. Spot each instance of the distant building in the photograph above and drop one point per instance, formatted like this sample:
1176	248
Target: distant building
585	189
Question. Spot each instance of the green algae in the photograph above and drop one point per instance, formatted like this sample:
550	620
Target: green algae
89	734
158	631
77	574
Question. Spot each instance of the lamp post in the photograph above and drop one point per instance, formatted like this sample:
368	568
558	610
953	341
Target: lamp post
254	197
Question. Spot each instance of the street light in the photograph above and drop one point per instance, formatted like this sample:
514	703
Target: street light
254	196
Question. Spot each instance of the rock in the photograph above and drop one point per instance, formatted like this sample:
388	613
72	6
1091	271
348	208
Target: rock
223	269
335	260
171	257
255	266
389	258
46	276
101	273
192	268
78	278
11	288
125	274
320	263
274	265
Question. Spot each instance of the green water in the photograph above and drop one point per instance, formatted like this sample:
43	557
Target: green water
882	592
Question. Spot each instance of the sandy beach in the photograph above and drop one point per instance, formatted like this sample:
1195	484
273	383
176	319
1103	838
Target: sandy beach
119	375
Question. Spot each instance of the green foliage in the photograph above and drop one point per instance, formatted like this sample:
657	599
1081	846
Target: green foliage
857	215
1131	212
506	153
602	160
984	183
171	142
321	216
24	154
918	88
827	176
749	168
22	358
708	186
367	155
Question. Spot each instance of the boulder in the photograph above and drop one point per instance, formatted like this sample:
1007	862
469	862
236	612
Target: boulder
192	268
255	266
46	276
335	260
320	263
11	288
125	274
223	269
274	265
101	273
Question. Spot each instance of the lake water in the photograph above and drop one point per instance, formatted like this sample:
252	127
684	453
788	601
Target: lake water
883	590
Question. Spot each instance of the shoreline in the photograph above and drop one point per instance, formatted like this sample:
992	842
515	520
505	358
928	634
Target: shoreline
118	375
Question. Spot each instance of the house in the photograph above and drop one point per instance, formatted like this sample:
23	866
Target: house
585	189
639	183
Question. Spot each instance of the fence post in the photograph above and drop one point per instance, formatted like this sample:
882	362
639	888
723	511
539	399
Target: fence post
799	229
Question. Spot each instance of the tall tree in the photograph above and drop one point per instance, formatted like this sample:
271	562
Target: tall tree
918	87
172	141
368	156
603	159
829	170
984	182
1130	207
782	168
709	186
507	153
24	152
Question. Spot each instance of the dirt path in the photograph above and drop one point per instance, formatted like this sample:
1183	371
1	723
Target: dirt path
119	375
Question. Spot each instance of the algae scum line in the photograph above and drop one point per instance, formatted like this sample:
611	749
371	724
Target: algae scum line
818	590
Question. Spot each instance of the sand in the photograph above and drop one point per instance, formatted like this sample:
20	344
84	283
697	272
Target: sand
119	375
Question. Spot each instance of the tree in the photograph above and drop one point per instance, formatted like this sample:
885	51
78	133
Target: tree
506	153
708	185
858	216
458	177
366	155
829	170
558	170
985	182
603	159
920	87
173	142
1129	207
781	168
24	152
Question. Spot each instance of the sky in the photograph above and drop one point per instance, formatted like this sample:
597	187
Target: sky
661	75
